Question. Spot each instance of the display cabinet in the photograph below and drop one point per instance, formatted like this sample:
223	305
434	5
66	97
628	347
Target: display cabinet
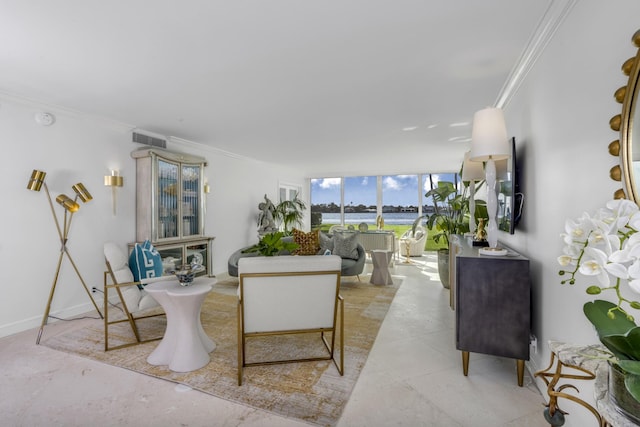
169	195
175	253
170	204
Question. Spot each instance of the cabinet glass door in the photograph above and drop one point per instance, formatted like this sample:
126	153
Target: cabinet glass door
167	199
198	253
171	258
191	200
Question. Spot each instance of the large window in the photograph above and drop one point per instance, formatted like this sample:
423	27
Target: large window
430	181
360	195
400	199
326	201
350	201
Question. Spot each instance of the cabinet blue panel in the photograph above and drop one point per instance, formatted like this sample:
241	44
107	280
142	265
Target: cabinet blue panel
492	303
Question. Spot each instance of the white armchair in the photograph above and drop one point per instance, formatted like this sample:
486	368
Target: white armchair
290	295
131	297
415	242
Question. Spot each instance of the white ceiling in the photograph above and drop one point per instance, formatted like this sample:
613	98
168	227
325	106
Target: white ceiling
326	84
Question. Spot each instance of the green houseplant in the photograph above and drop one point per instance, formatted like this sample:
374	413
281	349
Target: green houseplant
451	216
450	211
605	246
271	244
289	213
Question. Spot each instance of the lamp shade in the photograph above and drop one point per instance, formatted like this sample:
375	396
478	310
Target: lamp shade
82	192
471	171
67	203
36	180
489	136
113	180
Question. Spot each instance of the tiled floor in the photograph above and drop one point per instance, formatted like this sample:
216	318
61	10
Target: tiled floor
413	377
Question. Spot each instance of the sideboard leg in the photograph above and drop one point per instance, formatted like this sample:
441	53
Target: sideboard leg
465	363
520	372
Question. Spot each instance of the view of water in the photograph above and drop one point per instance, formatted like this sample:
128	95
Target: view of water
395	218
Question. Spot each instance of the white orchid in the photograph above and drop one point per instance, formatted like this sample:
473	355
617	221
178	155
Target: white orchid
606	246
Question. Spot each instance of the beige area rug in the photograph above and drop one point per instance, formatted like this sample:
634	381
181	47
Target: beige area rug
313	392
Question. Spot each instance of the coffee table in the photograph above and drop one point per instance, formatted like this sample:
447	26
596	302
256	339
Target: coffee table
185	346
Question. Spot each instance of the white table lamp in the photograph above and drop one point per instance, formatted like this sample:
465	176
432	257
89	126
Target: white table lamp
489	143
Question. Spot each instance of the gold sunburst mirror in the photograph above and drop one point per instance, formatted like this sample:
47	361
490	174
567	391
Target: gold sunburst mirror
624	147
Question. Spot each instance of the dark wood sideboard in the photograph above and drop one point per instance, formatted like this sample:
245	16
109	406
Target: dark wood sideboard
492	299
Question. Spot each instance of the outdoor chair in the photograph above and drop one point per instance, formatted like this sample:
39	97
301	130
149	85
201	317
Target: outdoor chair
415	241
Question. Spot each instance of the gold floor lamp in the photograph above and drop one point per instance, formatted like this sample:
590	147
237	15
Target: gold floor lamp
70	206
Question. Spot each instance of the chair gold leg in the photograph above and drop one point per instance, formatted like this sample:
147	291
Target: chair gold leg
128	316
240	344
341	302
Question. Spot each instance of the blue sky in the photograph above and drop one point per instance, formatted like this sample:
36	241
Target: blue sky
397	190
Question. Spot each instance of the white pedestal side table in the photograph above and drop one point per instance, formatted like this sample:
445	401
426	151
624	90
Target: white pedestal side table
380	274
185	346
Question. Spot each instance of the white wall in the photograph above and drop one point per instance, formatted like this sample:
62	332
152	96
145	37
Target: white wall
81	148
560	117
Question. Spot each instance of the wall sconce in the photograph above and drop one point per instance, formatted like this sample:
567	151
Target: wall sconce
114	181
71	206
489	143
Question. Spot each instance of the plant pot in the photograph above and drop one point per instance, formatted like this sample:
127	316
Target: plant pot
443	267
625	403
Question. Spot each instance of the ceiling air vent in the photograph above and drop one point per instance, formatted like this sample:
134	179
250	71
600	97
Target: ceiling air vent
146	139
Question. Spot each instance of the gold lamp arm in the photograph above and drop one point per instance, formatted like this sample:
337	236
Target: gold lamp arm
53	212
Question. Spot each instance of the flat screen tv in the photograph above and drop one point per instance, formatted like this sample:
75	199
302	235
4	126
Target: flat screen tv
510	199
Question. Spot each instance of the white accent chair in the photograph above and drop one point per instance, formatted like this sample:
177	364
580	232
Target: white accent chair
415	242
290	295
119	277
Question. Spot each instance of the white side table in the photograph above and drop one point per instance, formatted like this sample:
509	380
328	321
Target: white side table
185	346
380	274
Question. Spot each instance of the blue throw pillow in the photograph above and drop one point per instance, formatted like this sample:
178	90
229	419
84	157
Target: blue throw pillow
145	262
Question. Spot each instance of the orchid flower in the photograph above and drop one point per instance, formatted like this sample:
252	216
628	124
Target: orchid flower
604	245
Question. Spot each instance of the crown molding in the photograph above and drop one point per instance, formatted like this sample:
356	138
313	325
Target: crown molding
23	101
556	13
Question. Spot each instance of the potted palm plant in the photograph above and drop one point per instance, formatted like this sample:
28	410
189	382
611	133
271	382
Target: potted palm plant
451	216
289	213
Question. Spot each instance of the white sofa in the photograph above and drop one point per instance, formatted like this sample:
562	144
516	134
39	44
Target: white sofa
289	295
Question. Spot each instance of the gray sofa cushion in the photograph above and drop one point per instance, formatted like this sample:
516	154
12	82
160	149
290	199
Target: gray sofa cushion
345	245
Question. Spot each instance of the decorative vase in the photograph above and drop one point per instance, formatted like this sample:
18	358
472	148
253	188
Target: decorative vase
443	267
625	403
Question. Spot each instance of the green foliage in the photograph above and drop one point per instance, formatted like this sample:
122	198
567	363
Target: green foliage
451	211
619	333
289	213
271	245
